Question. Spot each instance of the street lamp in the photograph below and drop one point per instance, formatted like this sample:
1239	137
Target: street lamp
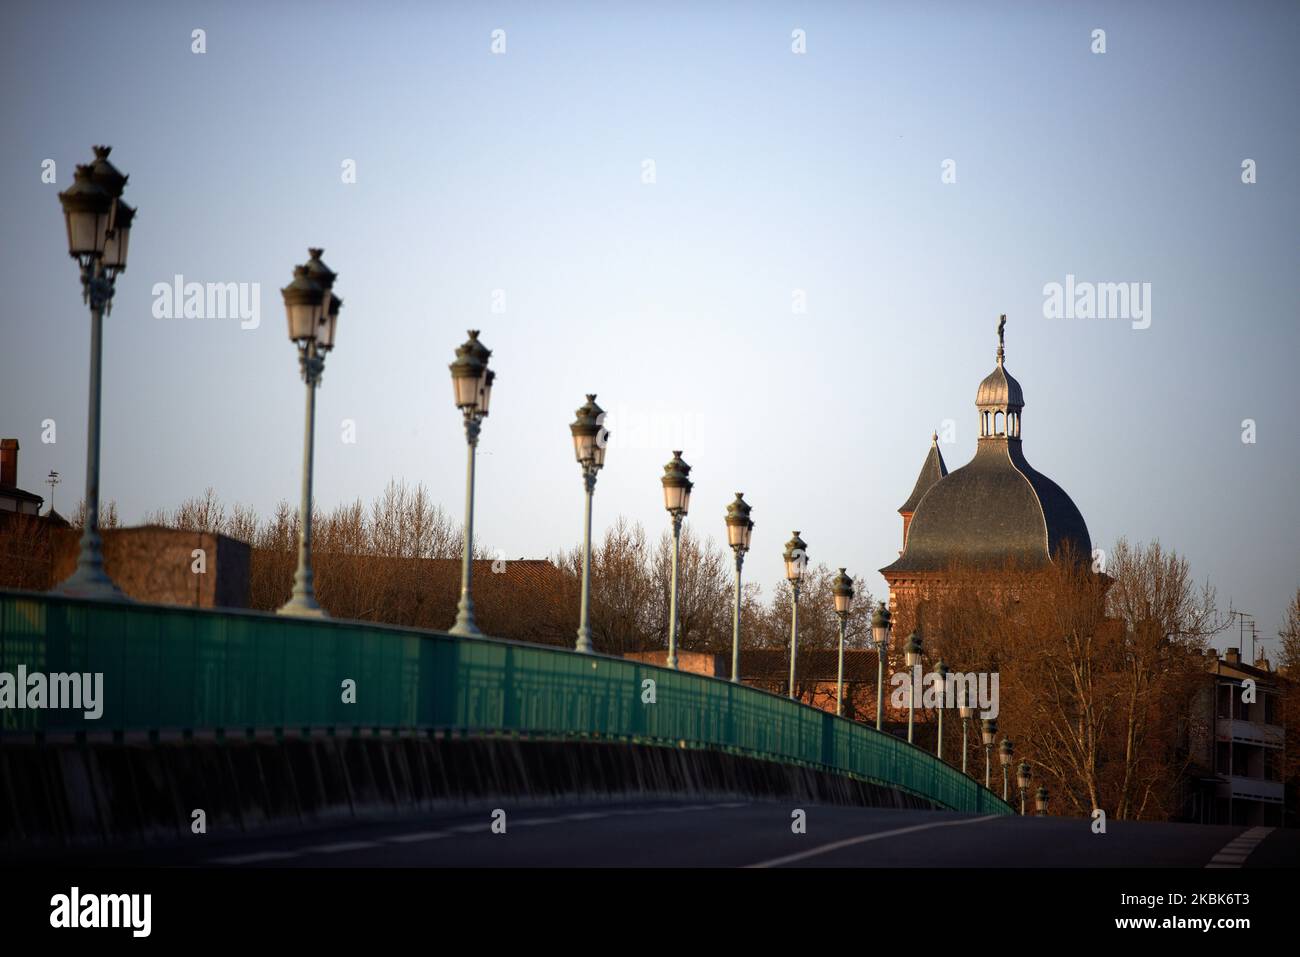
965	708
739	529
471	383
796	558
589	438
880	634
99	229
842	589
677	499
989	733
1005	753
312	311
1024	774
1041	802
941	670
912	652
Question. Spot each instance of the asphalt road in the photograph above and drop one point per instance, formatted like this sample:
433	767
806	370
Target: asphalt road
714	834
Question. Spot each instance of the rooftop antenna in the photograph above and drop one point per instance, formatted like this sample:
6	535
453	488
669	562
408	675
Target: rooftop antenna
1241	632
52	480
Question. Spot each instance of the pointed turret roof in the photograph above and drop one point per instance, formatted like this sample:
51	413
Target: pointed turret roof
932	470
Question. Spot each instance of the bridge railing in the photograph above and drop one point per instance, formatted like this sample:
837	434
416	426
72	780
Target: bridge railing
173	670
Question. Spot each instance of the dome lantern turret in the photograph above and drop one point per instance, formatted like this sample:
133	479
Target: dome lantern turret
1000	399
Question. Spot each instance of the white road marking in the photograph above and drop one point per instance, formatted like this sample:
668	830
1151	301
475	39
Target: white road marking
340	848
864	838
256	858
1235	852
417	836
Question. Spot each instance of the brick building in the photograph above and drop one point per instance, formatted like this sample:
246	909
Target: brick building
12	498
816	680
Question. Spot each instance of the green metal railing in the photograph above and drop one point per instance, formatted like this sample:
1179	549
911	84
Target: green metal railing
184	670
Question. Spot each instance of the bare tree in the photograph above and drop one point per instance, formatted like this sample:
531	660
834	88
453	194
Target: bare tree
1167	622
1289	655
205	514
107	514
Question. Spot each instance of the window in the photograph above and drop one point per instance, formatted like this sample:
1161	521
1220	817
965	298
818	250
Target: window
1272	765
1241	761
1224	701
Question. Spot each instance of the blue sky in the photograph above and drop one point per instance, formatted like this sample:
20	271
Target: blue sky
775	172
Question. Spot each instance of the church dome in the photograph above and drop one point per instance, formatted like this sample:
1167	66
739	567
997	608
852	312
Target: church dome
996	508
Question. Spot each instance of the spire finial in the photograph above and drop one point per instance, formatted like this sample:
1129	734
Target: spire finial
1002	325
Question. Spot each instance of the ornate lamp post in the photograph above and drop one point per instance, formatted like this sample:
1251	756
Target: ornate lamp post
989	733
880	634
589	439
1041	802
312	310
1024	774
965	709
99	232
941	670
796	558
739	530
677	499
913	657
1005	755
471	383
842	589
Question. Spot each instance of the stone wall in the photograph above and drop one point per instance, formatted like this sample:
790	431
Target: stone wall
696	662
155	565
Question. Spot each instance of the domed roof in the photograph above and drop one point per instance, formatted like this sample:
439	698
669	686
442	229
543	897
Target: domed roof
994	509
1000	389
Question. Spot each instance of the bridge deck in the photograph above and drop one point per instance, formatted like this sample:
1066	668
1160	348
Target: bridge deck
179	672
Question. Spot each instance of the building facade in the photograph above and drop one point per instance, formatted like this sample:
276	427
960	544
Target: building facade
1236	745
